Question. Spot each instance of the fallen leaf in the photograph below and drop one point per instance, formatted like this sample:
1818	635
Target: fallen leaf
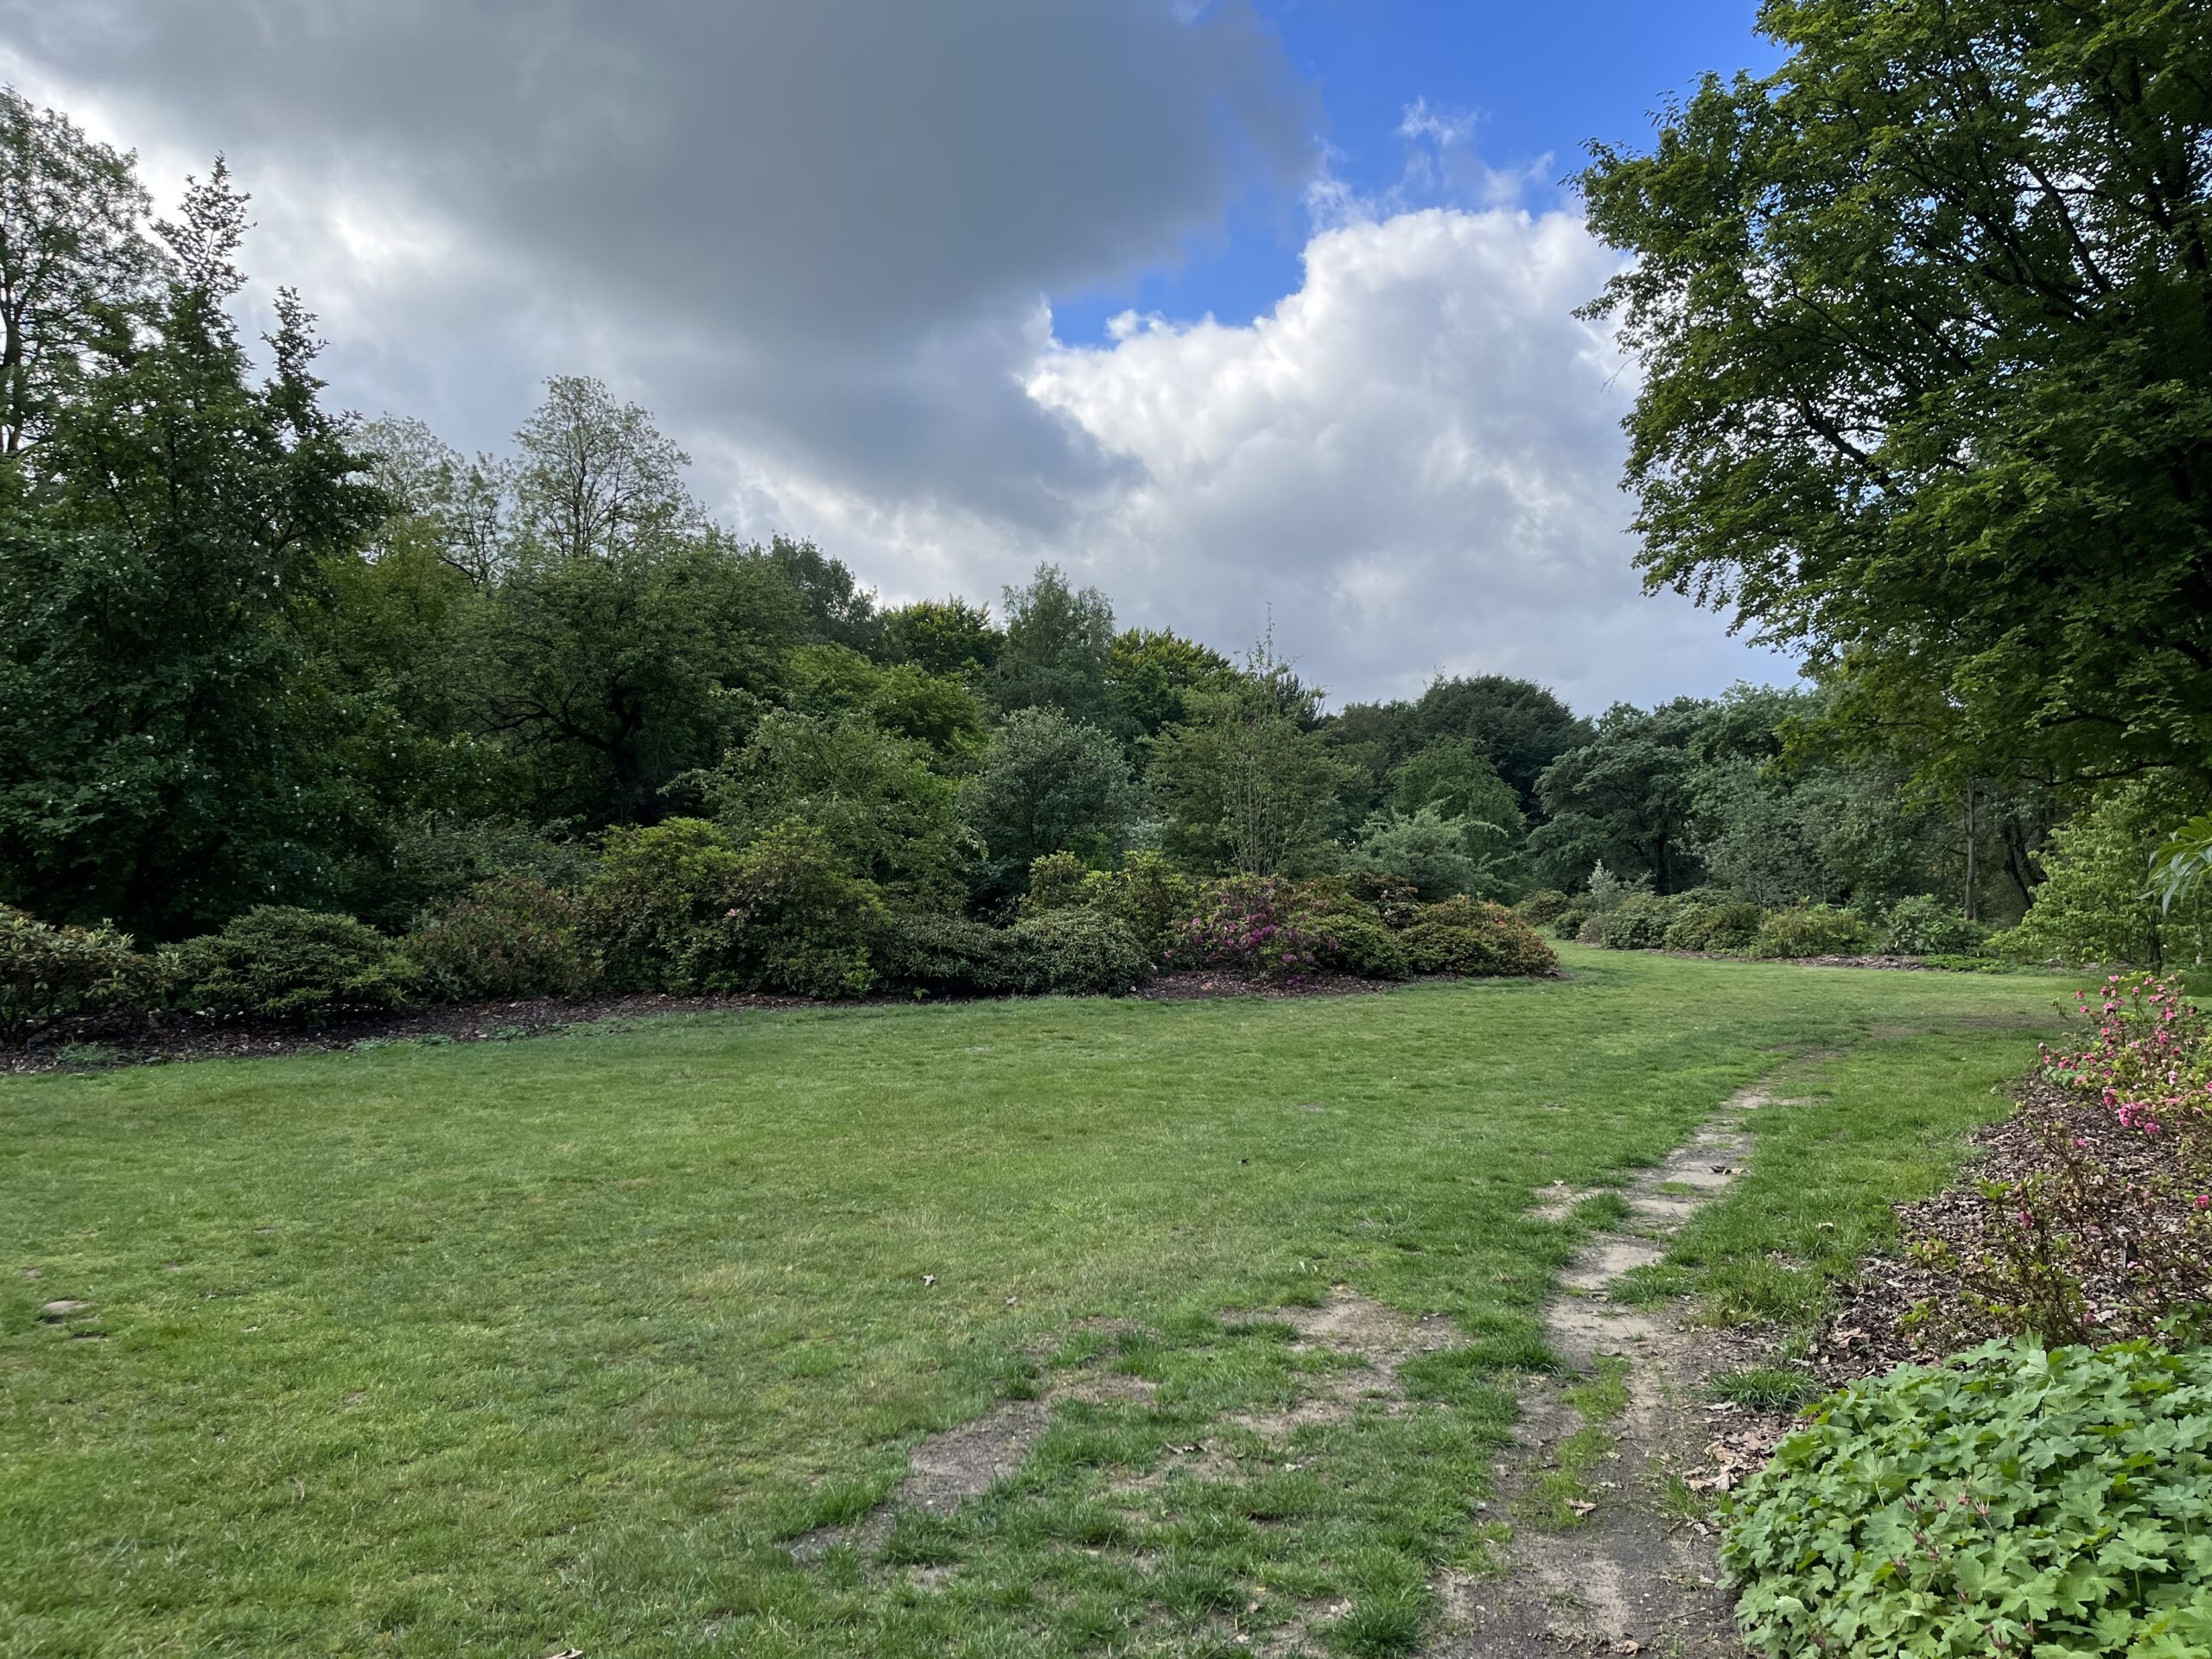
1580	1508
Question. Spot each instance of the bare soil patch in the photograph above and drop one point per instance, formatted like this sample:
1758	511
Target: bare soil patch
1632	1577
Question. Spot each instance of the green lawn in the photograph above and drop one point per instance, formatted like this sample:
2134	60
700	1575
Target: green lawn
507	1348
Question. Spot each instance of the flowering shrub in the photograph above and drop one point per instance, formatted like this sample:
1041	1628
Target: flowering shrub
2113	1236
1259	925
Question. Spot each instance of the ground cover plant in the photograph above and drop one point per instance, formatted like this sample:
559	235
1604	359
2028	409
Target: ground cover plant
566	1341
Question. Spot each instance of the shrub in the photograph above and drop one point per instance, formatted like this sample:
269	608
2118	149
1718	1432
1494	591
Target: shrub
1426	850
1926	926
1812	931
2013	1500
2111	1236
510	936
1253	925
1393	900
1355	941
1546	904
1474	936
1569	922
281	962
674	907
1639	922
1150	897
1605	889
47	972
2097	905
656	887
948	955
1059	881
1730	924
1590	929
1079	952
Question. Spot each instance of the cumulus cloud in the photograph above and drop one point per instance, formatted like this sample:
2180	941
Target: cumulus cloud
820	239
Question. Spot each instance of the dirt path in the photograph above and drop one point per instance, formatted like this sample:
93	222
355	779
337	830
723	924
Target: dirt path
1633	1575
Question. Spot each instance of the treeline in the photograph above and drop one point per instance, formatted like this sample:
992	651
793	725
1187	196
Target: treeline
261	654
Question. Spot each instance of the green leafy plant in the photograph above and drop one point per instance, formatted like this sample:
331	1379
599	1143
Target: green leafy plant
2018	1501
1475	938
1812	931
509	937
951	956
1730	924
1639	922
655	889
47	972
1080	952
1925	926
281	963
1544	906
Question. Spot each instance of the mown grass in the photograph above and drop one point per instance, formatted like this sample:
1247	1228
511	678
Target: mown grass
511	1347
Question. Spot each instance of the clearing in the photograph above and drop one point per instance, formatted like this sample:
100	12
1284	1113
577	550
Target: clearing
1042	1328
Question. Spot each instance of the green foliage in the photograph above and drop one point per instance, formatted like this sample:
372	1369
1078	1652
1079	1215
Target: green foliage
678	908
951	956
1570	922
1057	881
875	797
1626	799
1639	922
1924	322
1544	906
1152	671
1148	896
510	936
1474	936
1728	926
839	611
1812	931
47	973
165	755
1354	939
2097	905
943	636
2016	1501
1047	784
1924	925
2178	868
903	699
1520	726
1079	953
1455	776
1059	650
1248	783
1426	850
277	962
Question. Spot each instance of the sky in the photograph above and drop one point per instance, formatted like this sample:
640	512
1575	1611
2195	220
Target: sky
1252	313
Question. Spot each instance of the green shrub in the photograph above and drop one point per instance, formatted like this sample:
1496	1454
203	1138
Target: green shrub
281	962
2015	1501
1639	922
674	907
1730	924
1926	926
1079	952
1591	928
1150	897
510	936
950	955
47	973
1353	940
1474	936
1059	882
1812	931
1394	901
2097	907
1569	924
1545	905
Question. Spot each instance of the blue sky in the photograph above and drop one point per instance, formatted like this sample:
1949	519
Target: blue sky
1533	79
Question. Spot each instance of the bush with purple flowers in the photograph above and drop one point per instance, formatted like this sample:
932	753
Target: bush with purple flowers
1263	925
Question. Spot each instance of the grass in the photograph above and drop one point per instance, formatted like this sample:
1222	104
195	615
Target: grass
514	1347
1560	1496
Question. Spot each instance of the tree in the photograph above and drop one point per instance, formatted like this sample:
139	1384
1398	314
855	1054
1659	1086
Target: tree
77	272
1626	798
615	674
840	611
167	744
1925	327
595	478
1519	727
874	799
943	636
1048	784
1457	779
1247	782
461	510
1150	673
1059	652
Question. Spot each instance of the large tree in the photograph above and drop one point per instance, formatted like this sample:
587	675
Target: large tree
1924	319
169	747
